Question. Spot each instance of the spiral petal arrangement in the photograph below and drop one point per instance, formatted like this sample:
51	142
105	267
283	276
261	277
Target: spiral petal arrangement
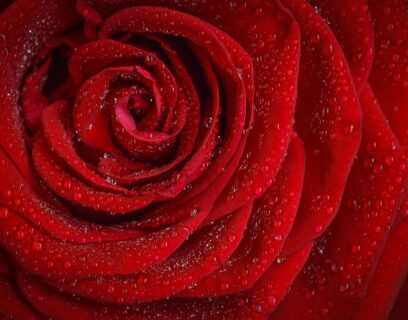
203	159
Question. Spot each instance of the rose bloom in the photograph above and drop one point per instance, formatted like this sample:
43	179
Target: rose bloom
203	159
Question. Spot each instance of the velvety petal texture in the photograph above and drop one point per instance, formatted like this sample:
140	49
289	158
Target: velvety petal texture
199	159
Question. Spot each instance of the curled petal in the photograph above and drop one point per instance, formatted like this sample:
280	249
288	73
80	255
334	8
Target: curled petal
271	220
336	276
328	121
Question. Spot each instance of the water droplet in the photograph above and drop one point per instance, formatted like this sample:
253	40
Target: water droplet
343	287
67	184
194	212
327	48
319	228
258	191
224	286
4	213
257	308
231	238
278	237
325	311
355	248
334	267
37	245
378	204
271	300
390	27
20	234
389	160
77	196
149	59
141	279
349	129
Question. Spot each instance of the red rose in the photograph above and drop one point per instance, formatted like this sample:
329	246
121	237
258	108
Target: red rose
203	159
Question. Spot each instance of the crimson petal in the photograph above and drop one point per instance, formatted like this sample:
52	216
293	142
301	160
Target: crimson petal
272	218
340	269
351	23
388	277
11	304
328	121
256	303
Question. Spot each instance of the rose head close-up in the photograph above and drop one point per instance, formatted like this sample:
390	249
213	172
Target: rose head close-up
204	159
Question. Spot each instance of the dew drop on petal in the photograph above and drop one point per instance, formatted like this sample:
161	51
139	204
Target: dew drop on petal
4	213
37	245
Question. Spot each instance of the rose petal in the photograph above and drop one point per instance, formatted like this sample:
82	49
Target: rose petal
340	268
201	255
278	67
388	277
175	24
389	77
328	120
351	23
55	259
270	223
56	176
45	20
60	141
255	303
12	304
105	262
400	310
16	194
